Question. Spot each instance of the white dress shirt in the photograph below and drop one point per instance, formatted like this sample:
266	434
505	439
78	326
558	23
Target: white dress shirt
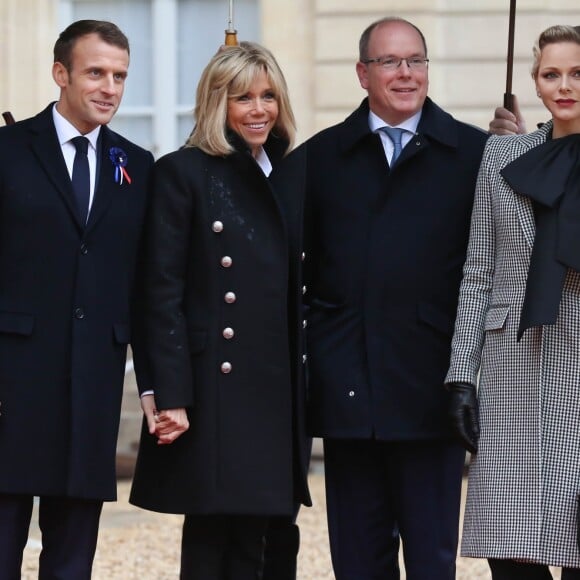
409	125
65	131
264	162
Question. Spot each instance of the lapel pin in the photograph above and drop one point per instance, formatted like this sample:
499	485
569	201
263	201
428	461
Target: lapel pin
119	159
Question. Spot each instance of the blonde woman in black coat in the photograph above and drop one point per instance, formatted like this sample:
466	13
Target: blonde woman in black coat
222	442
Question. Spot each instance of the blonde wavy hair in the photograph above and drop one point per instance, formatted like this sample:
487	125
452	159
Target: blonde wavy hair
553	35
230	74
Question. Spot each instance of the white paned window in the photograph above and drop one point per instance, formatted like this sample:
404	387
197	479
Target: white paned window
197	43
171	41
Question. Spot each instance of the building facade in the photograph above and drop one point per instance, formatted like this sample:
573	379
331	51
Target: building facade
315	42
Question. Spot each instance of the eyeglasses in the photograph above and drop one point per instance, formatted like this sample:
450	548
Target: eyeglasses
393	62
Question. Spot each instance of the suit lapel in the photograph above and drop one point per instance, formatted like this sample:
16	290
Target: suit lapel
46	148
526	218
243	162
524	204
105	185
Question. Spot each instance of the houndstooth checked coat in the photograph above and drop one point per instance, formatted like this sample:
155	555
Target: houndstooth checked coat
525	479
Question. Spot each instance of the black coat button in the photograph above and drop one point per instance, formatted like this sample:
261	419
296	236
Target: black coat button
79	313
84	249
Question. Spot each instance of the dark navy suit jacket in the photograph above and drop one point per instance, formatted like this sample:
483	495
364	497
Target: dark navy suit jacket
65	312
384	256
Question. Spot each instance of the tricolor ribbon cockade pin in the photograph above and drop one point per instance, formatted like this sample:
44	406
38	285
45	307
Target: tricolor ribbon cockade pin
119	159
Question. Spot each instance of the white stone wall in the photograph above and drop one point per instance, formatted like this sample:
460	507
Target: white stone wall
467	41
316	44
27	35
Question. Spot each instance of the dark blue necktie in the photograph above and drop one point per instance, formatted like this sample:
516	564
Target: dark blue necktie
395	135
81	177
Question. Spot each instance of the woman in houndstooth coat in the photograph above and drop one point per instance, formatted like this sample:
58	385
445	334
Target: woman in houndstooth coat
518	325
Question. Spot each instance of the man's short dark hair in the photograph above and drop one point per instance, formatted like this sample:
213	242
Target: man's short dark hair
106	31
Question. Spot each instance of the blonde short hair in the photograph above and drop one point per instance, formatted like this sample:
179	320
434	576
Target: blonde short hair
553	35
230	73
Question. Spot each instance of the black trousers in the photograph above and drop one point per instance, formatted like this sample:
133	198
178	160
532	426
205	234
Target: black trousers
512	570
282	544
69	536
223	547
379	493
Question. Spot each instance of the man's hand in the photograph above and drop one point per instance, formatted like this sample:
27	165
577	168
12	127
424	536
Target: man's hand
170	424
464	413
150	411
507	123
166	425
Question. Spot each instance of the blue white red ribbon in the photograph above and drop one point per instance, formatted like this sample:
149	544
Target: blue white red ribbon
119	159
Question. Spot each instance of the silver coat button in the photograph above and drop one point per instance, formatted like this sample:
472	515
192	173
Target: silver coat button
217	226
304	357
303	289
304	324
226	261
228	333
351	393
230	297
303	256
226	368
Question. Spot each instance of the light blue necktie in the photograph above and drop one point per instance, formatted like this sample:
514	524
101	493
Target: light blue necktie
394	134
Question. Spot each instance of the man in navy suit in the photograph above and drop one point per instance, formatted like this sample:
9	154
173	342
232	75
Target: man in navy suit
388	202
70	223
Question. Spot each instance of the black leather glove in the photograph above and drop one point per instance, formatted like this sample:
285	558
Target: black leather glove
464	413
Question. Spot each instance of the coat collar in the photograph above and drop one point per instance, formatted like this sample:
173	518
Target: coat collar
106	187
46	148
243	160
275	147
517	145
549	175
435	125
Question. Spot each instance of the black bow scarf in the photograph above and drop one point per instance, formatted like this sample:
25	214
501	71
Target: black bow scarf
549	175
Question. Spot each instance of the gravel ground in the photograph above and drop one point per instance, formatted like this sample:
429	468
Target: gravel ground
139	545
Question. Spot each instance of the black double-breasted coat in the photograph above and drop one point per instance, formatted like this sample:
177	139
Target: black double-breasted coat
384	255
65	312
222	310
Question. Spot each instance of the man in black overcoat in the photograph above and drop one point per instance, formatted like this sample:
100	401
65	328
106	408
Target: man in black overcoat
70	222
386	235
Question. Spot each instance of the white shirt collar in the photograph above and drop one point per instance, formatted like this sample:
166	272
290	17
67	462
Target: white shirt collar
66	131
264	162
410	124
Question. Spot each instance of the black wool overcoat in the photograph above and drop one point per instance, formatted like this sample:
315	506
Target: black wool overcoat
65	312
384	256
222	309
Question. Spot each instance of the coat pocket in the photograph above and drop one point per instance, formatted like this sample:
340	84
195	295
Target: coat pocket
496	317
16	323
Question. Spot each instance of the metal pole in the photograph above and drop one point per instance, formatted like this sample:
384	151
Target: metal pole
231	16
231	32
508	98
